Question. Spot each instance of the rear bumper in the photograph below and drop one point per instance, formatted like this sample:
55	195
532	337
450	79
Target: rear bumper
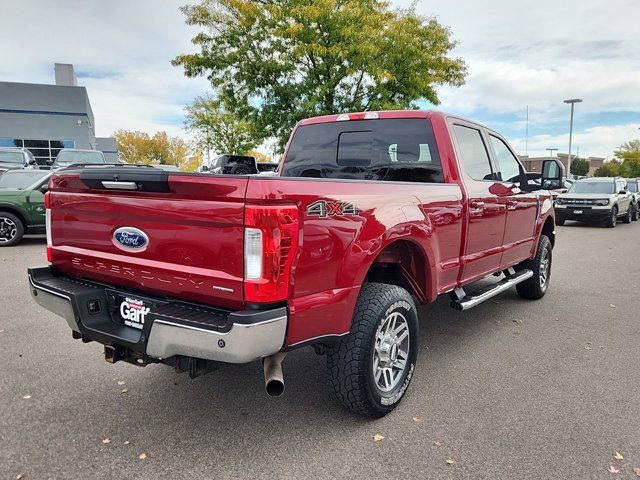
171	327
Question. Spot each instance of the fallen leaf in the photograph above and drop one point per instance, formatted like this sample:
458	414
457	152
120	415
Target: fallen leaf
448	461
19	476
587	348
416	419
142	456
612	305
127	442
1	331
377	437
121	382
26	397
518	321
106	441
613	469
637	471
124	390
438	442
617	456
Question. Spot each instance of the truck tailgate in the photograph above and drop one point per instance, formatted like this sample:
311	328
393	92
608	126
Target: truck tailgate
193	226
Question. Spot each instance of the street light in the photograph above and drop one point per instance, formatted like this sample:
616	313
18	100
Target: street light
551	150
571	101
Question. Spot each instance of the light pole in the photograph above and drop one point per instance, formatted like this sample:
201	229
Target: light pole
571	101
551	150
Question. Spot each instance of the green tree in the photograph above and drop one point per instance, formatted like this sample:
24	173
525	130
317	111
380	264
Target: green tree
612	168
219	129
579	166
274	62
629	154
159	149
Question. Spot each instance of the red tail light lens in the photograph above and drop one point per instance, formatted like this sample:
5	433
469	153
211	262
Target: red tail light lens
49	253
47	200
271	240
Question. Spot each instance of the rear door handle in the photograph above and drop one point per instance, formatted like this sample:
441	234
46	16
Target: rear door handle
512	204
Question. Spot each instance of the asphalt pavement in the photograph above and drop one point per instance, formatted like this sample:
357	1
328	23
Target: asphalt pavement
512	389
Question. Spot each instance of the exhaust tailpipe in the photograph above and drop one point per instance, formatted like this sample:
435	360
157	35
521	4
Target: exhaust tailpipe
273	378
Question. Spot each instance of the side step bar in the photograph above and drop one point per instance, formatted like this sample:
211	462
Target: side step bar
460	301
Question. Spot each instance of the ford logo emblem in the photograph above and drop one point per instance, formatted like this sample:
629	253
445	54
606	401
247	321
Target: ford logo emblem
130	239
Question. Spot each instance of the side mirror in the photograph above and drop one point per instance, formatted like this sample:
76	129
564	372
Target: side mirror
552	174
32	161
205	168
622	192
44	188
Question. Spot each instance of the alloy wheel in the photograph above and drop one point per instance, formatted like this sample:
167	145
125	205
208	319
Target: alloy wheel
8	229
391	351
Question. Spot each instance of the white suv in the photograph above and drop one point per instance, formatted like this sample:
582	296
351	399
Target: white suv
633	187
596	200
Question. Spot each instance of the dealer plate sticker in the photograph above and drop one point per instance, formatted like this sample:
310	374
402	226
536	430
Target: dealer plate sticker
133	312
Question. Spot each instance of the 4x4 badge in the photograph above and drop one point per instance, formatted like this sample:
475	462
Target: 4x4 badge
322	209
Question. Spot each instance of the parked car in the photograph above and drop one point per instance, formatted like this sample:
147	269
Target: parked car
239	165
22	204
75	156
16	159
633	187
605	200
371	214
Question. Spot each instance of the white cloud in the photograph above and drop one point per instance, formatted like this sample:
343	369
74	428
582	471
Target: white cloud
529	52
593	141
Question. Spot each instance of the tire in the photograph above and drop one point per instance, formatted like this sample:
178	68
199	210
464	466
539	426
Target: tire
535	287
357	364
560	221
634	213
11	229
627	217
240	170
613	218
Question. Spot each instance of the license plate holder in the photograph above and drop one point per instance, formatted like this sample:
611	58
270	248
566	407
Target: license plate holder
132	311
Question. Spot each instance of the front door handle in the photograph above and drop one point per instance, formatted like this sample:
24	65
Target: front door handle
477	204
512	204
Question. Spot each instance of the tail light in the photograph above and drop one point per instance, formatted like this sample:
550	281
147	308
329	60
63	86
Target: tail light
270	243
47	206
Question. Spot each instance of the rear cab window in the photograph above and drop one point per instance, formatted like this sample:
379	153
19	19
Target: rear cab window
475	158
402	150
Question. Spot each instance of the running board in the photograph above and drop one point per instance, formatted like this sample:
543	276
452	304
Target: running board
460	301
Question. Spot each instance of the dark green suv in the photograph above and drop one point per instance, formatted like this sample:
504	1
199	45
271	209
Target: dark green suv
22	204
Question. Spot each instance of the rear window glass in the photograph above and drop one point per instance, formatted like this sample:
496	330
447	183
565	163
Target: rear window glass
402	150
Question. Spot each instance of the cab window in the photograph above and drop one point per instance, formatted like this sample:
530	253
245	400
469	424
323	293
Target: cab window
507	162
473	151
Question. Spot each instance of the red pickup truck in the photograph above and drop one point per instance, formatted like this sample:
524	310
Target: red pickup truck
370	214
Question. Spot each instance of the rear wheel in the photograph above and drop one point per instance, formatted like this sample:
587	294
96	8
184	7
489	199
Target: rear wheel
627	216
613	218
11	229
371	368
536	286
634	213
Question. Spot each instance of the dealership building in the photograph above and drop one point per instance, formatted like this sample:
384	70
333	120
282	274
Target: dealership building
47	118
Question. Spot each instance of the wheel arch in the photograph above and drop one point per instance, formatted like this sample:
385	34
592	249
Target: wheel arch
15	211
548	229
403	263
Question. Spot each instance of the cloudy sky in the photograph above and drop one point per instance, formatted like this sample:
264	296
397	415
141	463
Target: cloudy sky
519	53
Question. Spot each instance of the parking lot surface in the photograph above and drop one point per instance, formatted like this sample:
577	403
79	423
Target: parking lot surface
510	389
